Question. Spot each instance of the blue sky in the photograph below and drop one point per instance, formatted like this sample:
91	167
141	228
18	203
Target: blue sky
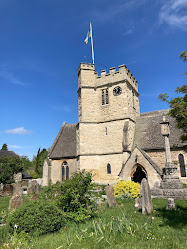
42	45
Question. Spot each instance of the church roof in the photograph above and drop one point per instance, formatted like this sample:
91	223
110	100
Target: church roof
148	131
64	145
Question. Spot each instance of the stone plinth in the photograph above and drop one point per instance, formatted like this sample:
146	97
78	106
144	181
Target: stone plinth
170	186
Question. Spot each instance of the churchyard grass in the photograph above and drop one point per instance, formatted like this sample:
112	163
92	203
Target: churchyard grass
121	227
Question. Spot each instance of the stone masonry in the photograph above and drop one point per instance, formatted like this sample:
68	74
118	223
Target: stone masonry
112	139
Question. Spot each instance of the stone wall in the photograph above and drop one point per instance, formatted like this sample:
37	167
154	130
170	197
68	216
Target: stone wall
159	158
97	164
56	168
91	85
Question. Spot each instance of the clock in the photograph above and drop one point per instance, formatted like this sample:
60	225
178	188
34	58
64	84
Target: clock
117	91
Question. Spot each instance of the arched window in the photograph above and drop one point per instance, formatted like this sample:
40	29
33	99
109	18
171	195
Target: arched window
67	172
63	172
182	165
108	168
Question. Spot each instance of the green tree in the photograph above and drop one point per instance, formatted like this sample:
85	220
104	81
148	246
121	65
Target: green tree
8	167
178	105
4	147
25	163
38	161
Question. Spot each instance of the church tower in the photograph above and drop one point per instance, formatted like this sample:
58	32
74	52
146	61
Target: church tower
108	107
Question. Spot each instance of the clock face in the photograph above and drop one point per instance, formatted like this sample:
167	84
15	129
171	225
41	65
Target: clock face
117	91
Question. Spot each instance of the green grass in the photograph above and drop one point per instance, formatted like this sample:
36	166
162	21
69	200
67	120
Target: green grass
122	227
4	202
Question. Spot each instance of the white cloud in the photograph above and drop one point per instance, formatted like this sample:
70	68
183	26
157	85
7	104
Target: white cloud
173	12
129	31
19	131
13	146
114	10
10	77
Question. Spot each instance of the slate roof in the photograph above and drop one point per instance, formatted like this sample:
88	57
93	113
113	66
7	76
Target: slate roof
7	153
64	145
26	176
148	131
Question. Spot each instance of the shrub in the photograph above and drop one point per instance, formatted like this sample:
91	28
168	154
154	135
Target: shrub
75	199
36	218
51	192
127	188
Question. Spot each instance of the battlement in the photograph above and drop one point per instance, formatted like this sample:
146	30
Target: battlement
91	78
114	76
85	66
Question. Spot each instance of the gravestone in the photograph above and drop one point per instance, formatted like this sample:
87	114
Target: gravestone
171	205
17	189
146	200
7	190
110	196
35	188
138	203
35	197
15	202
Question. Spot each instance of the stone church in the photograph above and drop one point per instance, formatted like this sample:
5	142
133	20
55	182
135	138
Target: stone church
113	139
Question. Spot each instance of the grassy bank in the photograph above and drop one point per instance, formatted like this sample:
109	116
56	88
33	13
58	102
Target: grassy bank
120	227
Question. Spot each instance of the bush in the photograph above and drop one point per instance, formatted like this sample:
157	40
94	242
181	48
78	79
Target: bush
75	199
36	218
127	189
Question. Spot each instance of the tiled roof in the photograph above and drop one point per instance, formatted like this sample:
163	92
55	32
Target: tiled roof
148	131
64	145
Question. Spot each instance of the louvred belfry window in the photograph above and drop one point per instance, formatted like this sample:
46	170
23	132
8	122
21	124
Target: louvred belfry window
105	97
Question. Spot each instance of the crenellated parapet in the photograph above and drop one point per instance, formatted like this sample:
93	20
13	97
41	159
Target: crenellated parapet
89	78
85	66
116	76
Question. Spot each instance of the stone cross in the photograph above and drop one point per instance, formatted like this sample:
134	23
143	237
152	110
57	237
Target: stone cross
166	132
146	197
110	196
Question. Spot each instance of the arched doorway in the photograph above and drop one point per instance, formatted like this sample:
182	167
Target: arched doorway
138	173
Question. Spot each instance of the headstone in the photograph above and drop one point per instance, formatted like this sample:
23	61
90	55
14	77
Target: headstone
35	188
34	197
146	200
138	203
171	205
15	202
110	196
17	189
7	189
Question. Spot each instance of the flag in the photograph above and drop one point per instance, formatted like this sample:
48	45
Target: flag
89	34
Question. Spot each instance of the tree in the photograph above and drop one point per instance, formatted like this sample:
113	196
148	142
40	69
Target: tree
4	147
178	105
8	167
38	161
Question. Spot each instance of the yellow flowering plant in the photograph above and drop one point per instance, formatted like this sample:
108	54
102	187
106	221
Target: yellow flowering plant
127	188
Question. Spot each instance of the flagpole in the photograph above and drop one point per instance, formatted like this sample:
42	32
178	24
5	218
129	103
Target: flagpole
92	43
